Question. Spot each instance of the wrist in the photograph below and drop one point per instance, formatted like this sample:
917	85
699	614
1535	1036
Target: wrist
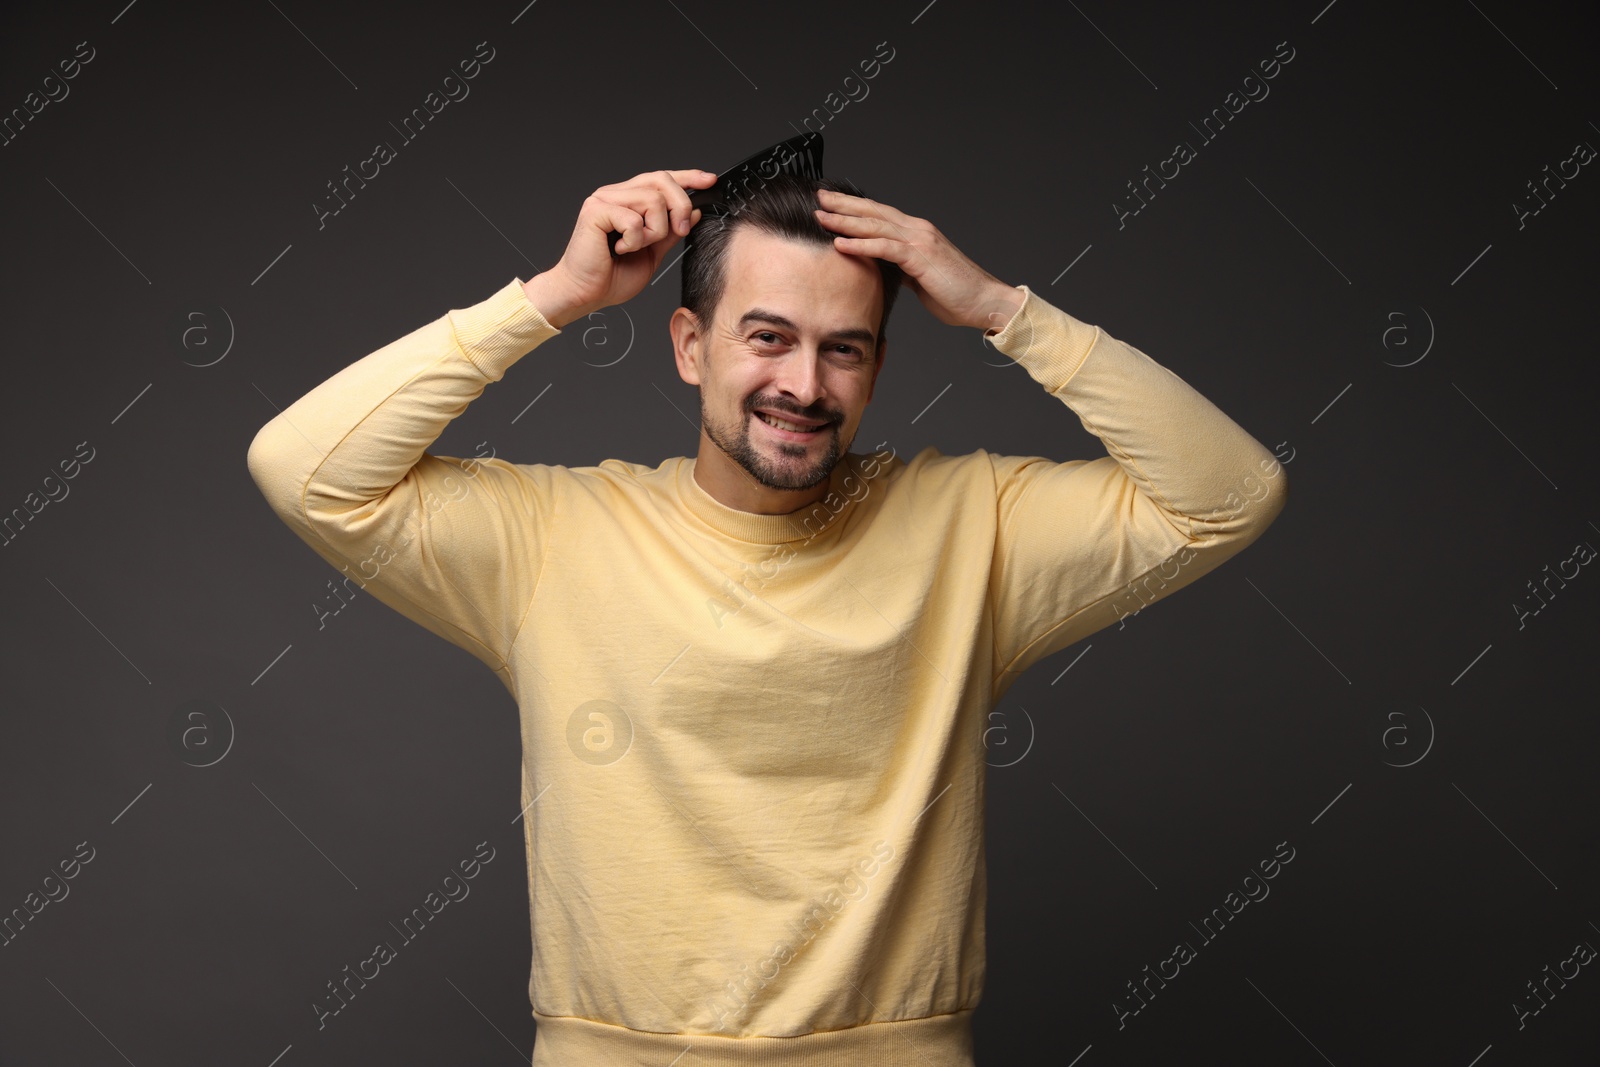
1000	308
547	292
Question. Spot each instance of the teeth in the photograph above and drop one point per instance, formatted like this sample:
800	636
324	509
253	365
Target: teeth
780	424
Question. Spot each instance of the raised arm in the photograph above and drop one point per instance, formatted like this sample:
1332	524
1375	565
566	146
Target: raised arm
455	545
1083	544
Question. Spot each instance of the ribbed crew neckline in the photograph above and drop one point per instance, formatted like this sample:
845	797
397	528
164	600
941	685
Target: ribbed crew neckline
766	529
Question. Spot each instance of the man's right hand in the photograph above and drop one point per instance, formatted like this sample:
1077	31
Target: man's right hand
651	211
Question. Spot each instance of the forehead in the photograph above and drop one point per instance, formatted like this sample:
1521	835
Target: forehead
816	286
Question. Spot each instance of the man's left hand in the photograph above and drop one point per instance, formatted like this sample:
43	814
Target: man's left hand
956	290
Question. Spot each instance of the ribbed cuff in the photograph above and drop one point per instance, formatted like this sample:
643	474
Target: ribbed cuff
497	332
1049	343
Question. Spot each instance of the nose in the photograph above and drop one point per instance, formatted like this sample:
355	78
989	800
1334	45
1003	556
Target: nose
800	378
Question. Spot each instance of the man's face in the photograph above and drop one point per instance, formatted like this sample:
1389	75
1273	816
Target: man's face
793	338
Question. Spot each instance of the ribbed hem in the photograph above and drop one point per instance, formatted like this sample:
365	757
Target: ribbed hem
1049	343
937	1041
496	332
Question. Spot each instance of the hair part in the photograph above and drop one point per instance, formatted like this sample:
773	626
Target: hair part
783	206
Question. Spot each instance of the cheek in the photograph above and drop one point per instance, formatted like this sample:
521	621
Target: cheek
744	389
853	394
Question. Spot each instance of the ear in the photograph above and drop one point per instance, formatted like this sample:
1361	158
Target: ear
688	343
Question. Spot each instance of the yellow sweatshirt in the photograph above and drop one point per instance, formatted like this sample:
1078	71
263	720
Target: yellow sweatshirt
753	744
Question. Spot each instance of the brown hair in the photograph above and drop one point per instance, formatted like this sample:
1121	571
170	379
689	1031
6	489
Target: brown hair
781	205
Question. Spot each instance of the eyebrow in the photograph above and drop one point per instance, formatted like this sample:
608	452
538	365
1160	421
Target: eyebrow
854	333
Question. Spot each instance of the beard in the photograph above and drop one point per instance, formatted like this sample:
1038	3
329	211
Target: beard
773	463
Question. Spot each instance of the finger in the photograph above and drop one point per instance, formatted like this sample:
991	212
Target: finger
844	203
659	250
853	225
664	203
682	179
692	179
869	228
683	217
627	222
655	220
878	248
875	225
678	205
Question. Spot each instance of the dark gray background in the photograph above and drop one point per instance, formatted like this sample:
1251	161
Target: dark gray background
1366	202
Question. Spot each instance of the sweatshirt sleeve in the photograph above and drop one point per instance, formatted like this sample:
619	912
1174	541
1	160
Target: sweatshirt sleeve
1087	543
454	545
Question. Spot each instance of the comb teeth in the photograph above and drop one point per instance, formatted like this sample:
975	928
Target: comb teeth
800	156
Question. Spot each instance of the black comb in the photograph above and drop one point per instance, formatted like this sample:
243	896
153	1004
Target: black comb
800	156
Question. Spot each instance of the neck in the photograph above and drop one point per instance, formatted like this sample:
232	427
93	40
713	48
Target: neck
732	486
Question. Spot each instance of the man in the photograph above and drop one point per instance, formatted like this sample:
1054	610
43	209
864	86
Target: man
753	684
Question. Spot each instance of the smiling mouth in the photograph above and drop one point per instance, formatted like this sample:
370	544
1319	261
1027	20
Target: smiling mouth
792	430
